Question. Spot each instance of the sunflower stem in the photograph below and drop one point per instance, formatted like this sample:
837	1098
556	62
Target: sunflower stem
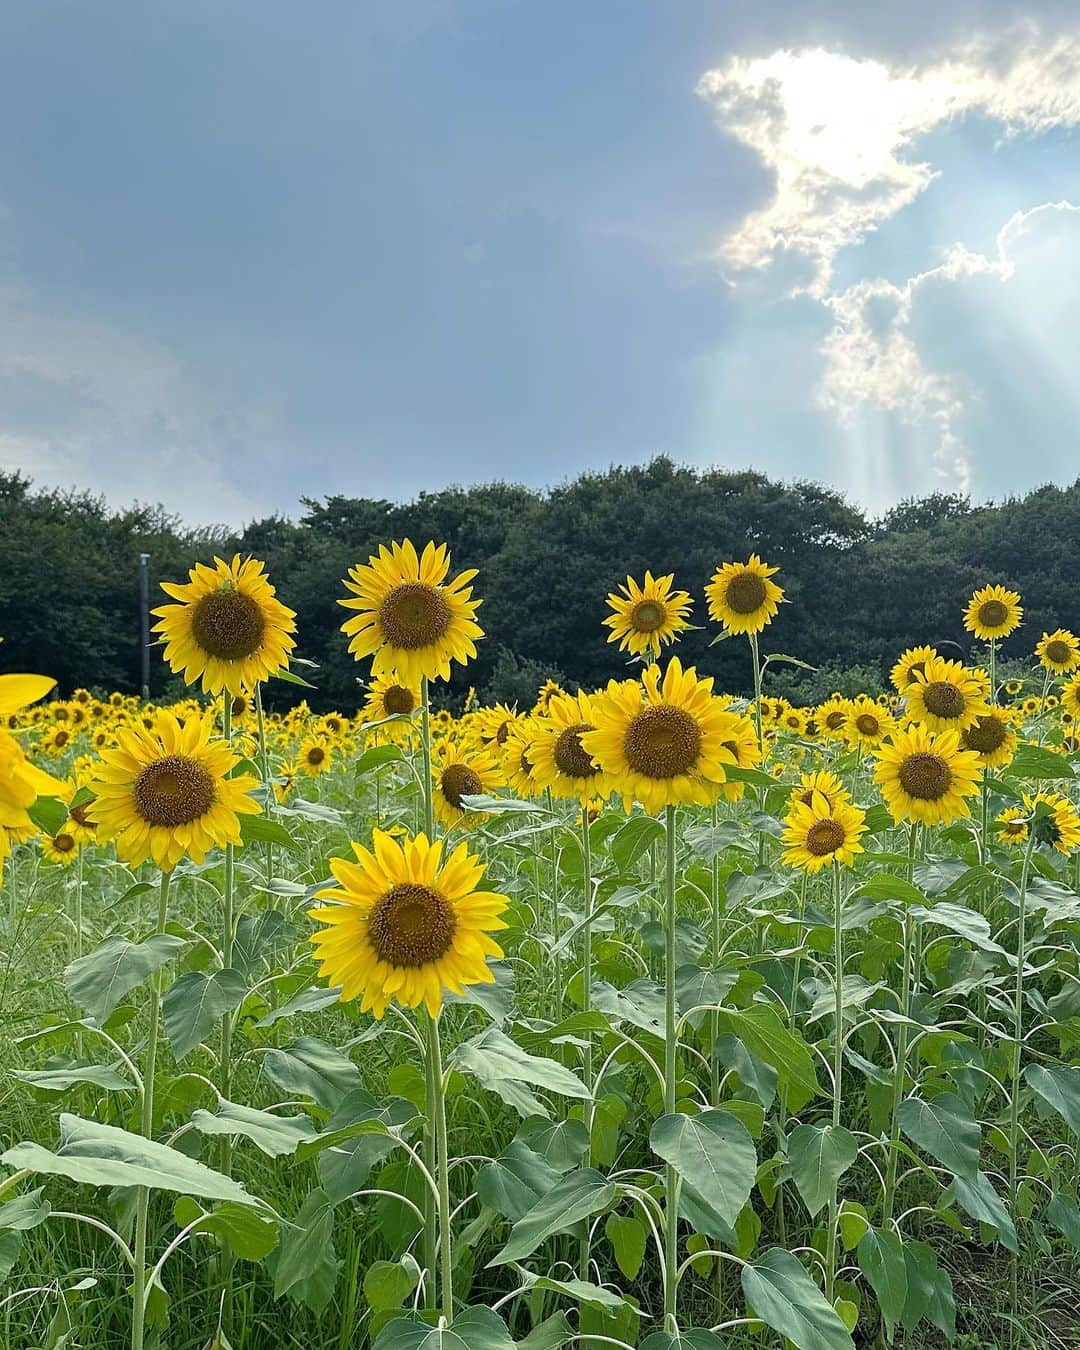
442	1168
671	1177
227	939
838	1065
264	765
900	1066
142	1195
714	1017
556	909
586	1004
1014	1098
432	1088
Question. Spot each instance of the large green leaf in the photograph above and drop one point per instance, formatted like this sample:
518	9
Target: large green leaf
248	1233
628	1237
930	1291
59	1080
945	1128
562	1143
1035	761
346	1159
692	1338
194	1005
968	923
503	1067
881	1260
1064	1214
25	1211
1059	1087
473	1329
785	1298
819	1156
641	1003
98	981
984	1204
311	1068
305	1263
512	1183
275	1135
576	1196
764	1034
104	1155
714	1155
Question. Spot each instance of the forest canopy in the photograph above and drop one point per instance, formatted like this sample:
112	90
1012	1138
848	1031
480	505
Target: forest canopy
860	589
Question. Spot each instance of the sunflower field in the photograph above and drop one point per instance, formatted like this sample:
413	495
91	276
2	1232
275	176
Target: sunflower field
646	1016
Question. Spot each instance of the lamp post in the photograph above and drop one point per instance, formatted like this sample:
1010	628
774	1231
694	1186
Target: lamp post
144	622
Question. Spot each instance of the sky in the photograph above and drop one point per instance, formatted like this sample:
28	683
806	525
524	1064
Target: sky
262	251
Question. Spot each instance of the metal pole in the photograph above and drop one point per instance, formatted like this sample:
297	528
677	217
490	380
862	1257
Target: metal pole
144	621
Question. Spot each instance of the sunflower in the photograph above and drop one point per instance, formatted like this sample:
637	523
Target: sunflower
868	723
925	777
227	627
912	663
284	780
1013	687
1031	706
558	755
58	742
664	742
1012	825
404	924
992	737
62	847
745	751
21	783
407	619
1060	828
947	696
824	784
1058	651
647	617
832	716
993	612
461	770
742	597
518	767
816	836
493	725
168	793
1070	696
794	720
547	691
315	756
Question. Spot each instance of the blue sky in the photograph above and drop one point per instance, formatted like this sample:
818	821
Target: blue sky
255	251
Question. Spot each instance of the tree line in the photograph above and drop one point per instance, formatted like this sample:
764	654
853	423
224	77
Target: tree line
860	589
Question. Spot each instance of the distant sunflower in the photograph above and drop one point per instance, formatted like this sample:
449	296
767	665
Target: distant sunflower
227	627
558	755
794	720
409	619
742	597
816	836
1014	687
518	767
1070	697
742	744
664	741
824	784
832	716
868	723
1031	706
925	777
911	664
1012	825
993	612
1061	827
387	696
992	737
404	924
284	781
947	696
62	847
647	617
168	793
1058	651
493	725
461	770
315	756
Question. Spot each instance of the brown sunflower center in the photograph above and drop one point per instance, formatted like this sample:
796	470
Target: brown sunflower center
525	762
174	791
917	668
648	615
823	837
745	593
1014	827
943	699
239	705
986	736
992	613
63	843
457	781
570	755
411	925
398	701
315	755
414	615
228	624
835	720
1060	653
61	738
502	733
925	776
662	742
868	724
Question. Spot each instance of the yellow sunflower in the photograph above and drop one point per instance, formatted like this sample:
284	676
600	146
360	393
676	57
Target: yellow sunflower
409	619
1031	706
815	836
1014	687
21	783
462	770
1061	828
168	793
832	716
404	924
62	847
558	755
794	720
493	725
315	756
647	617
664	742
947	696
1012	825
227	626
285	780
993	612
868	723
992	737
912	663
1058	651
518	768
1070	696
824	784
925	777
742	743
742	597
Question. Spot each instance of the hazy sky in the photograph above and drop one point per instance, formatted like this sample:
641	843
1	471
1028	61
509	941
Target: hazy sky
257	250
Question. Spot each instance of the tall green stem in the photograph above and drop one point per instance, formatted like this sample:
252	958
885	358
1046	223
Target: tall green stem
671	1177
900	1066
442	1168
714	1018
586	1003
1018	1043
838	1065
142	1197
228	935
433	1088
556	908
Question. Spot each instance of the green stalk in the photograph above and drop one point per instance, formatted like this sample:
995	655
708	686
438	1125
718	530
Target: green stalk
264	765
1018	1042
586	1005
714	1017
433	1090
838	1067
671	1177
901	1049
442	1169
142	1197
556	916
79	903
228	934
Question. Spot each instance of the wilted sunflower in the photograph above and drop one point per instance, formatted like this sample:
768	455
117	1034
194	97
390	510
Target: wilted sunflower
62	847
911	664
824	784
664	742
315	756
992	737
947	696
559	758
227	628
742	597
463	770
993	612
925	777
1058	651
816	836
403	924
168	793
408	619
1061	827
647	617
868	723
832	716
